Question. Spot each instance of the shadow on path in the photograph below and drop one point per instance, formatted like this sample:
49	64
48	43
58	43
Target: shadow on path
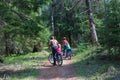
64	72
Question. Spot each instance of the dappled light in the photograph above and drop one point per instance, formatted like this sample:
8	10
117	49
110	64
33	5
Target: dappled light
19	74
50	72
59	39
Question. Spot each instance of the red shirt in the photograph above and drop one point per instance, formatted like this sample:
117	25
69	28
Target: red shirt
58	50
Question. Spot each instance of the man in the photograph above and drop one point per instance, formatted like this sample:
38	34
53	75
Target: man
53	44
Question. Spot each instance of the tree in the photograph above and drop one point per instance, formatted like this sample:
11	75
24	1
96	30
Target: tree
111	34
24	24
94	37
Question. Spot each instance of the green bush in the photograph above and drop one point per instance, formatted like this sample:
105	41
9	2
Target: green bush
82	46
110	33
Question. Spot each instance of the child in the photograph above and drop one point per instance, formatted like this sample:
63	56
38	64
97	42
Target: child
58	50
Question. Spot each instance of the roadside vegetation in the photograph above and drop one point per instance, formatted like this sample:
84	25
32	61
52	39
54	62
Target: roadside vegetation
23	67
93	63
91	26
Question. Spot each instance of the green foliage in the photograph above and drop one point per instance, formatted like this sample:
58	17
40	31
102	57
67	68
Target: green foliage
111	29
25	59
88	66
25	26
82	47
29	73
104	68
27	66
72	23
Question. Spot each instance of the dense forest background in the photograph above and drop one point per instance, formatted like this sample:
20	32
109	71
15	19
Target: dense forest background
28	24
92	28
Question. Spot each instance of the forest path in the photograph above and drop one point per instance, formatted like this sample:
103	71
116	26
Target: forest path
64	72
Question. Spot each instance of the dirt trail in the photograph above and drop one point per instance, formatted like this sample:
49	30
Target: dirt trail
64	72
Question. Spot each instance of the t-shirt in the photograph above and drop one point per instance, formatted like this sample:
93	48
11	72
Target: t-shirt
58	50
68	46
53	43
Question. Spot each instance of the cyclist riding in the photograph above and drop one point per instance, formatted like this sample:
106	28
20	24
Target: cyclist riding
53	44
67	48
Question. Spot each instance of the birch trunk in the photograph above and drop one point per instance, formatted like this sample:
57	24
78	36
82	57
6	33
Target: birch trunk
94	37
52	19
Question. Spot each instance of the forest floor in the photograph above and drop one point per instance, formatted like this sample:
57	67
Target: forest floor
23	67
35	66
85	65
64	72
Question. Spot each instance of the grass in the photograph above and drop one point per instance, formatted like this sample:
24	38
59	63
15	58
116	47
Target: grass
89	66
25	59
23	67
25	74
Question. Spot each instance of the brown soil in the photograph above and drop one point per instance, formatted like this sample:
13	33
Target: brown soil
64	72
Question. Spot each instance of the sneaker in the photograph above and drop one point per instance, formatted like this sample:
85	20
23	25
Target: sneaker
54	64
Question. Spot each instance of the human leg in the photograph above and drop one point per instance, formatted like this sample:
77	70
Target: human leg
54	56
64	51
67	51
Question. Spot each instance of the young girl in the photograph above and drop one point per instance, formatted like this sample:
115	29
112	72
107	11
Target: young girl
58	50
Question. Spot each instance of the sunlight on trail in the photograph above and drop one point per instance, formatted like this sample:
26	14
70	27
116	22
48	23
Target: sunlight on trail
23	67
64	72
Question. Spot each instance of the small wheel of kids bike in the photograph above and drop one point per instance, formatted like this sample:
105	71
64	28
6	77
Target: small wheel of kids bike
59	59
69	56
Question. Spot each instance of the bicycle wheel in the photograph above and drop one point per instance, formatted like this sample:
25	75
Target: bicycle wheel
69	56
50	59
59	60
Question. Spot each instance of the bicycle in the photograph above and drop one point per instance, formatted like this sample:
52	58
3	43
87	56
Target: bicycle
69	54
59	59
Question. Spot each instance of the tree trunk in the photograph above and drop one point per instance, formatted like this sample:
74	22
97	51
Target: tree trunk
9	44
94	37
52	18
69	38
7	49
35	48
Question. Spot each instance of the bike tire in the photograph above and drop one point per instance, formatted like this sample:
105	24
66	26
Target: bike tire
59	60
69	56
50	59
